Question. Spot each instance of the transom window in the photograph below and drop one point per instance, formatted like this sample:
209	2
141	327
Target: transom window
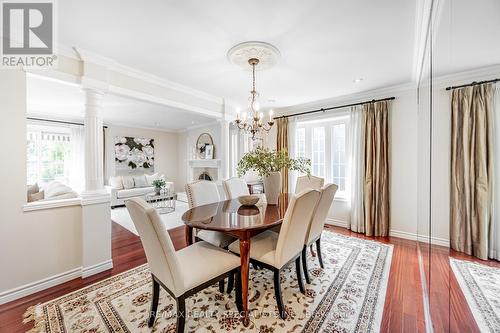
324	141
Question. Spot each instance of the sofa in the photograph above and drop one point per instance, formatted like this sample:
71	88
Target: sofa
122	188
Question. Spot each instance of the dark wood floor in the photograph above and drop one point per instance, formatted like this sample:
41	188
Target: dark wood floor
403	310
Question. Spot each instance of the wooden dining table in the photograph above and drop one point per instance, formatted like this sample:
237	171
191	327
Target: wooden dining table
241	222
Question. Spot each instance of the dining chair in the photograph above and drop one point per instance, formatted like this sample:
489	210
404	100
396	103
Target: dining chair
305	182
317	224
204	192
274	251
235	187
182	273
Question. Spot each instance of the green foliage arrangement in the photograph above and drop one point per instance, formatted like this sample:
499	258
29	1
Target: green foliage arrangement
264	161
159	183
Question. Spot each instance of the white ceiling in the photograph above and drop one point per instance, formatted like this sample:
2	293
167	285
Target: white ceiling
325	44
50	99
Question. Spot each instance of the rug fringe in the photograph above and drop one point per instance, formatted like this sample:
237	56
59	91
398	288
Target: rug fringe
29	316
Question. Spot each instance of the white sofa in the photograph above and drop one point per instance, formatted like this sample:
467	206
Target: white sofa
122	188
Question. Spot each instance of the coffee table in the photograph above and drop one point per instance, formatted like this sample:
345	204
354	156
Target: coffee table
164	202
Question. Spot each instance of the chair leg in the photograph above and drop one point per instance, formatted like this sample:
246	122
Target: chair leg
318	247
181	314
154	302
304	265
230	283
239	301
312	251
221	286
277	294
299	275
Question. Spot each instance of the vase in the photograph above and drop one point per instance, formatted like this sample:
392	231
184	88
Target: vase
157	190
272	187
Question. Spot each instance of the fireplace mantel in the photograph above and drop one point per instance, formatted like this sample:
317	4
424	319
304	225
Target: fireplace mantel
200	163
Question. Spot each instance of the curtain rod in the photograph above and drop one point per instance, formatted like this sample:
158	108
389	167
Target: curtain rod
475	83
336	107
58	121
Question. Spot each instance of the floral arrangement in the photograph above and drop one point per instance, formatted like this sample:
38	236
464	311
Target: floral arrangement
264	161
134	153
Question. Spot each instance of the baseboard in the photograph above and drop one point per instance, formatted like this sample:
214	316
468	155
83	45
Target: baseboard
34	287
31	288
337	223
421	238
97	268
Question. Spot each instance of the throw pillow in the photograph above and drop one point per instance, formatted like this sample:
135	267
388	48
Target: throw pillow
151	178
37	196
32	189
56	188
128	182
140	181
116	182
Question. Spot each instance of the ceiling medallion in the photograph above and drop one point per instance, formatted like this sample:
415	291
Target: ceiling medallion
254	56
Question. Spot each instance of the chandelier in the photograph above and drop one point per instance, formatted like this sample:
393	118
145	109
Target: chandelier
255	125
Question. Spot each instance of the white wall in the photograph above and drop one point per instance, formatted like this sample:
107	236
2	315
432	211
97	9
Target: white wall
33	245
166	150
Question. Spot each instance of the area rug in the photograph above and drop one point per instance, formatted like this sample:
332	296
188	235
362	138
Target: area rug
171	220
481	287
348	295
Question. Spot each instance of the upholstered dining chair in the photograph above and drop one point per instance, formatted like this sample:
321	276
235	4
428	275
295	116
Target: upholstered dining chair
317	224
174	271
275	251
204	192
235	187
305	182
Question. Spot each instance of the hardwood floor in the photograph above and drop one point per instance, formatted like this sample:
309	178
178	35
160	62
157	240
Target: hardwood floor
403	310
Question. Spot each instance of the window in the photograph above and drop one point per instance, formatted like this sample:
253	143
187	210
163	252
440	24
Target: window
318	150
324	141
48	149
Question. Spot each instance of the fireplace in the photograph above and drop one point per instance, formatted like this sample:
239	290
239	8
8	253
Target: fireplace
204	176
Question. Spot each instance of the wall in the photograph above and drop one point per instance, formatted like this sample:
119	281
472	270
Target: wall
166	150
33	245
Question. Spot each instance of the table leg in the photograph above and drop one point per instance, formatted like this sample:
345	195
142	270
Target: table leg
245	267
189	235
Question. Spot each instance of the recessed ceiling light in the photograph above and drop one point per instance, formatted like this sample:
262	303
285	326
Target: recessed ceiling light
193	122
358	80
157	124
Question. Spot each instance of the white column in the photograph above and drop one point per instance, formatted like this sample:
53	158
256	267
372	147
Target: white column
224	134
94	164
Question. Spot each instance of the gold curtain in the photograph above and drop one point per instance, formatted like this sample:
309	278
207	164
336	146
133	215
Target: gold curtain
376	170
282	145
471	169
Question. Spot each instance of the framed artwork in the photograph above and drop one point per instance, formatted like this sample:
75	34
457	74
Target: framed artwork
134	153
209	152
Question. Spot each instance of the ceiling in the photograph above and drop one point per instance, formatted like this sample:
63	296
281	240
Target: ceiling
325	45
54	100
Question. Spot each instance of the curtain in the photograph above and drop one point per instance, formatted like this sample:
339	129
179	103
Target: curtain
356	168
292	175
471	169
76	174
494	244
282	145
376	168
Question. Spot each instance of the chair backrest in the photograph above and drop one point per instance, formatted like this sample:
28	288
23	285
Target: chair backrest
157	244
202	192
321	213
293	229
311	182
235	187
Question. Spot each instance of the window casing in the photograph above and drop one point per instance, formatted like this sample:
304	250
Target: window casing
325	142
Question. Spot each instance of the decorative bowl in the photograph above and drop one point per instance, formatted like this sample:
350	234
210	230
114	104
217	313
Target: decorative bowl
248	200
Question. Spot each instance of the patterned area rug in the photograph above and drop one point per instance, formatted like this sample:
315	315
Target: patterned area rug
347	296
481	287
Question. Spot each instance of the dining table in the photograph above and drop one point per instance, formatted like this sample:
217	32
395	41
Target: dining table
241	222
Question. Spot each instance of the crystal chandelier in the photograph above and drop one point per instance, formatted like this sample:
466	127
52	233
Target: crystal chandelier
255	125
